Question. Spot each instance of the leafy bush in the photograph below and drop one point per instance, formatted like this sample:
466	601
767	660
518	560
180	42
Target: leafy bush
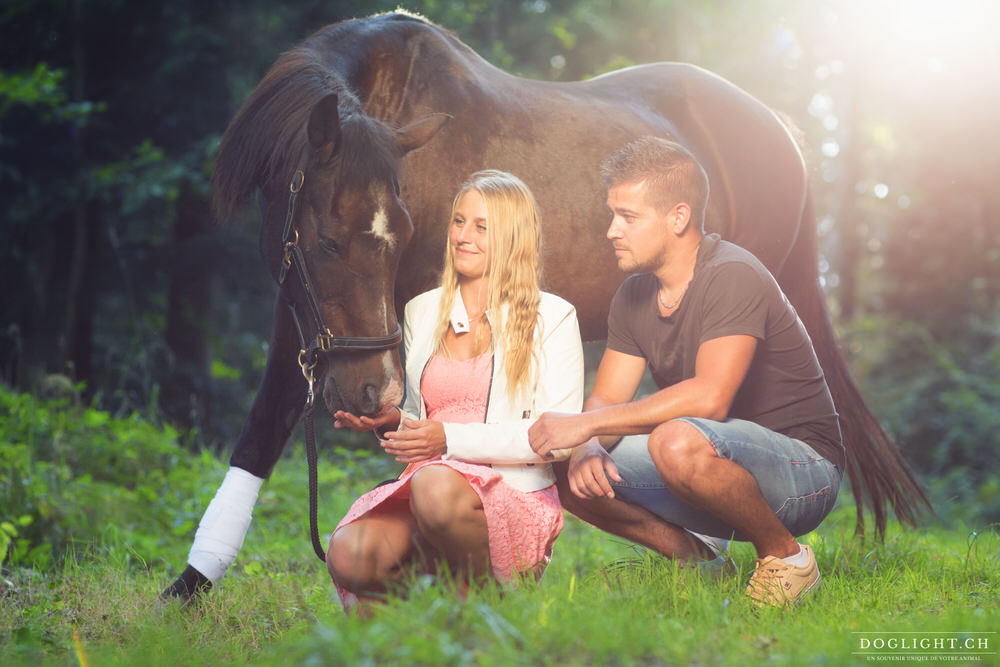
70	473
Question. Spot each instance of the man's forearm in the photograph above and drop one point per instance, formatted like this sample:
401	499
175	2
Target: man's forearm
595	403
610	422
604	417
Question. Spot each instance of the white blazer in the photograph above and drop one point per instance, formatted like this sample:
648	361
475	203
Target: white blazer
502	440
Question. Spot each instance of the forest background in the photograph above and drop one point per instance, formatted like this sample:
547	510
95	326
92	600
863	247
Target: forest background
120	292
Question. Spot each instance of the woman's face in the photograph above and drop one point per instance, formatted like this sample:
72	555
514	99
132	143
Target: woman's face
467	236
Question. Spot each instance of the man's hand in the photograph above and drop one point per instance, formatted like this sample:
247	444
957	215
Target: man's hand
557	430
590	466
387	417
421	440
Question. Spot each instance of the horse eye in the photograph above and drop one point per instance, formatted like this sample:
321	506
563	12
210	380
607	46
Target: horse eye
329	245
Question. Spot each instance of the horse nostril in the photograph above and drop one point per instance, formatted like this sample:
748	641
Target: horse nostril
369	400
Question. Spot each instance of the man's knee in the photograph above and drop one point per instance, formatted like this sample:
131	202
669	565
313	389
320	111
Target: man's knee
439	497
678	449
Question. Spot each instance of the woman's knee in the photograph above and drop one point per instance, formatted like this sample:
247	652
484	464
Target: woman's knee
440	497
351	559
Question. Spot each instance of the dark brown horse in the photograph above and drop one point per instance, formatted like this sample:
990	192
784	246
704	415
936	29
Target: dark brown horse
330	109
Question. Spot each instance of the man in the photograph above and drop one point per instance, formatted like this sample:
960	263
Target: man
743	438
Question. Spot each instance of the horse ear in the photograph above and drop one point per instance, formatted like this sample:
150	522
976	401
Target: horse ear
324	127
419	132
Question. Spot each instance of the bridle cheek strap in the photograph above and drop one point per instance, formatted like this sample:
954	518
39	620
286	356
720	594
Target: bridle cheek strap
323	342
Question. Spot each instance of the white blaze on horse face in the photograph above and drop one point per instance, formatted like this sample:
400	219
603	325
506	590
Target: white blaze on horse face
380	227
393	393
380	222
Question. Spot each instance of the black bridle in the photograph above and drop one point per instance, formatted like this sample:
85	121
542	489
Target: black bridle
323	342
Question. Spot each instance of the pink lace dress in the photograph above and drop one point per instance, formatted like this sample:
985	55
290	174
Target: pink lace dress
522	526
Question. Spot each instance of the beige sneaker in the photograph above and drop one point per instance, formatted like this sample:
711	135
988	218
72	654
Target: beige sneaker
779	584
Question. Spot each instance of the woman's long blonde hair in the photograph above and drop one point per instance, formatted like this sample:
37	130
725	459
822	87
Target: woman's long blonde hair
513	230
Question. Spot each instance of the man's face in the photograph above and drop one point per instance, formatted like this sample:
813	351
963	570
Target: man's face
638	232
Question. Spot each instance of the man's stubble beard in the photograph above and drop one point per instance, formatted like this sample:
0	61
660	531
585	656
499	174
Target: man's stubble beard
631	265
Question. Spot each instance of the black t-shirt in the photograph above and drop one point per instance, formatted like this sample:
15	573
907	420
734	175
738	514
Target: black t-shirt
732	293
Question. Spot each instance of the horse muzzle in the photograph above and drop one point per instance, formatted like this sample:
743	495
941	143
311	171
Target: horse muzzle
363	384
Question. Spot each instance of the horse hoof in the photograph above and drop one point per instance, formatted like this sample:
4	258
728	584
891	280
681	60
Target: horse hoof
187	587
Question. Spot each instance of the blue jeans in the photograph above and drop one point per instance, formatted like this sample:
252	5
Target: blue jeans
798	484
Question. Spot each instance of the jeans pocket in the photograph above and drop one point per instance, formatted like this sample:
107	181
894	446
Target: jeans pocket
803	514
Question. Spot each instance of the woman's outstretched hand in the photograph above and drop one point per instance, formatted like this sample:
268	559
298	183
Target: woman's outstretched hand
421	440
387	418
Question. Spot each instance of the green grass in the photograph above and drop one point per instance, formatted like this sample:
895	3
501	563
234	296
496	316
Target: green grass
97	514
99	605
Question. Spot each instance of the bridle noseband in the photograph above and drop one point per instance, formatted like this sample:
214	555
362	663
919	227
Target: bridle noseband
324	341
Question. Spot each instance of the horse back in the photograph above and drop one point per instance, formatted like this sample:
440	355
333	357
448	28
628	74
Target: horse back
555	135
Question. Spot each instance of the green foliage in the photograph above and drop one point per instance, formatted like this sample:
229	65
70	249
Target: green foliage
938	396
42	86
74	474
108	129
71	474
146	177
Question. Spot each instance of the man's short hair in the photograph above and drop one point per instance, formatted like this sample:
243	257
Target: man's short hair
671	173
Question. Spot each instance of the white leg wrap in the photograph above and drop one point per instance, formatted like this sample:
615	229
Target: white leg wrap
224	524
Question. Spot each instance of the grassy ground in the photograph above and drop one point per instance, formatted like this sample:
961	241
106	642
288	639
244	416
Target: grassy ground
277	605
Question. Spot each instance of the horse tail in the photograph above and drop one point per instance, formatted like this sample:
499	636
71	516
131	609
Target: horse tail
879	474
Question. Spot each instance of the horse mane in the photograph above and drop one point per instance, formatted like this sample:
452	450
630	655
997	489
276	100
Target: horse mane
267	137
404	16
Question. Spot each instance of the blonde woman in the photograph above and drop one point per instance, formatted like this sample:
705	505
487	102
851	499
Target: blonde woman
486	353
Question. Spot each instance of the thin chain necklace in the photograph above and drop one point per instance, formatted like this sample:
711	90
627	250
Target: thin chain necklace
670	306
659	290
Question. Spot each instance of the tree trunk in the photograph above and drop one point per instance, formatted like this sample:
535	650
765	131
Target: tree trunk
78	325
186	394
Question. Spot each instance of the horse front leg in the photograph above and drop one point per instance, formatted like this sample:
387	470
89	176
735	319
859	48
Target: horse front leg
276	410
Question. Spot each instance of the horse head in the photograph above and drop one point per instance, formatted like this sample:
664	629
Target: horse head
333	225
343	229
